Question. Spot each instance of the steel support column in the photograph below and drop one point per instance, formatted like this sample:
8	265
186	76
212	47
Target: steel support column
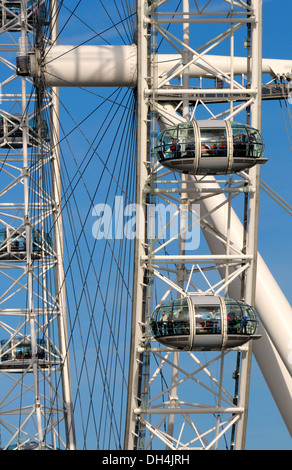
138	306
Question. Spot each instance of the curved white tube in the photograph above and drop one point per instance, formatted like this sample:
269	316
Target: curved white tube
111	66
273	350
274	67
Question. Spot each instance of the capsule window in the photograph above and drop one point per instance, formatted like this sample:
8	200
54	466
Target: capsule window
208	320
160	147
256	145
2	236
171	318
241	318
167	145
21	350
213	142
5	350
18	243
234	318
247	141
173	146
240	141
186	139
14	242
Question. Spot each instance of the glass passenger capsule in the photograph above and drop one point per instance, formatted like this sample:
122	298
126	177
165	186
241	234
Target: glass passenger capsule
10	11
11	132
13	244
209	147
200	322
30	445
16	353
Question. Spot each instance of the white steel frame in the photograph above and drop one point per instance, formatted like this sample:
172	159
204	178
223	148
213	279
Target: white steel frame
153	409
31	408
141	67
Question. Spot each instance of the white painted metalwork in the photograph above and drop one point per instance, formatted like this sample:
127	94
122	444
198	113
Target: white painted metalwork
197	405
200	65
32	357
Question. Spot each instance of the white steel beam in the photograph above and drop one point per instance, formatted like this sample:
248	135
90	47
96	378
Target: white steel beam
59	249
24	281
28	235
138	305
253	219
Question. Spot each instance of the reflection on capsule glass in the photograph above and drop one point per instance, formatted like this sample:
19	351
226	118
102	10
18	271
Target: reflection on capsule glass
16	353
11	132
209	147
13	244
199	322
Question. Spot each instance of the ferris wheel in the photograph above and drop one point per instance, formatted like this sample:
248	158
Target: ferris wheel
133	295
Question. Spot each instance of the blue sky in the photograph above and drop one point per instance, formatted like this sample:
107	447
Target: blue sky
276	224
266	429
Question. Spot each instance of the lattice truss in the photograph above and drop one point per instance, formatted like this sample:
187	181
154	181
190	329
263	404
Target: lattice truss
29	308
198	406
198	239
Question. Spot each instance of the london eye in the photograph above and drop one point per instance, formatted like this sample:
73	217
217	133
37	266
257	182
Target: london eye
145	156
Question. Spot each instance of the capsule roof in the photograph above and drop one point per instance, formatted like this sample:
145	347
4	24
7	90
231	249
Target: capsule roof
209	147
199	322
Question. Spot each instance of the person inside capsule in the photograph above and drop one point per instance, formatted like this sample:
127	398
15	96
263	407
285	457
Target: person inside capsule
213	142
208	320
175	148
